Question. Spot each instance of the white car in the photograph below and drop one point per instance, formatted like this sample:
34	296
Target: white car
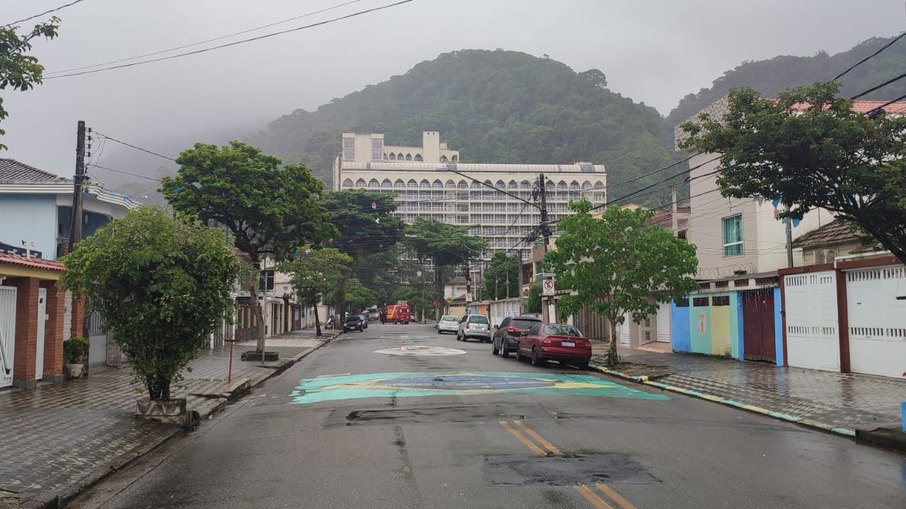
448	323
474	326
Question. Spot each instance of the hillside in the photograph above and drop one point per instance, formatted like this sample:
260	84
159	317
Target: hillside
494	106
770	76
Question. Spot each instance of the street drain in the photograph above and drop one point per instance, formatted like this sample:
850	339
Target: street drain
566	471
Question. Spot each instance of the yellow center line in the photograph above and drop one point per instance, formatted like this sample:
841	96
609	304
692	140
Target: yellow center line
593	497
519	436
538	438
610	492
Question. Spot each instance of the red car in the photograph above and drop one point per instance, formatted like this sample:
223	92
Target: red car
554	342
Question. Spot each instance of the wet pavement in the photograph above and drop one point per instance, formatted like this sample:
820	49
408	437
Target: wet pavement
58	438
844	403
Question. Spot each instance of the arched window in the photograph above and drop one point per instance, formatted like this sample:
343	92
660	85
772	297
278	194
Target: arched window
373	183
512	184
360	183
462	184
392	156
424	184
399	184
500	184
525	184
477	185
386	183
443	159
437	184
400	157
561	185
408	157
586	185
450	184
599	185
418	157
347	183
412	184
455	158
574	185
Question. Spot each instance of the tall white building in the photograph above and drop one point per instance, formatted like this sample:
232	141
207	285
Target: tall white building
429	181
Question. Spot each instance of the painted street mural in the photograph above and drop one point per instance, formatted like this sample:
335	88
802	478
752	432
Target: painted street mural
414	384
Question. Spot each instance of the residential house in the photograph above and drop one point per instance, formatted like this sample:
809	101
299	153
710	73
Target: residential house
36	317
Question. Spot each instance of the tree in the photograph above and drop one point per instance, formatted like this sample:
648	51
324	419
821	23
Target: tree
618	264
811	150
18	69
533	299
160	286
314	272
367	231
270	209
501	278
445	245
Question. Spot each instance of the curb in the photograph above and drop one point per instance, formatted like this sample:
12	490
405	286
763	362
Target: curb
51	500
811	423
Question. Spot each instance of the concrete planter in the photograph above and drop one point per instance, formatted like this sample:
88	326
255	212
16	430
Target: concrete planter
168	411
74	370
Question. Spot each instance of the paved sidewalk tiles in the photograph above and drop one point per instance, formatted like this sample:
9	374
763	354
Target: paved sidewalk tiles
62	437
843	403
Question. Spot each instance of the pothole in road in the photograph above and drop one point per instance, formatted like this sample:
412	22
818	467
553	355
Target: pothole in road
424	415
566	470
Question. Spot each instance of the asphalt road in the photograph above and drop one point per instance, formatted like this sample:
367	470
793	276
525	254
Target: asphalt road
400	417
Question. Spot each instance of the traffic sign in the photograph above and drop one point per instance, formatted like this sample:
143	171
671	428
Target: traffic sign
547	287
449	300
469	297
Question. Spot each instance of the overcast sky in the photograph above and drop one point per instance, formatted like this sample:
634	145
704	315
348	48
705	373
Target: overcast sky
655	52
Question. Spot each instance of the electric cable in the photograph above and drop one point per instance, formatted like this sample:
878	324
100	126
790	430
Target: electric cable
42	14
869	57
234	43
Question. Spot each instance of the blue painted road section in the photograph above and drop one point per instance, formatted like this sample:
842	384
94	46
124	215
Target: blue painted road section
420	384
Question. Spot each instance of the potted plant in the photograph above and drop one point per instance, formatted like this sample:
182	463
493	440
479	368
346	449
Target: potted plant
74	351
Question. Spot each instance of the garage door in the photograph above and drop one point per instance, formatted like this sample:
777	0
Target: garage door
812	333
877	320
7	333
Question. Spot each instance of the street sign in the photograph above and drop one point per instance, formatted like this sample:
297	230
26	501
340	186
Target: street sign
469	297
449	300
547	287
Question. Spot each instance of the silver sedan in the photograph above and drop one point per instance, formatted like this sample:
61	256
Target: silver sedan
448	323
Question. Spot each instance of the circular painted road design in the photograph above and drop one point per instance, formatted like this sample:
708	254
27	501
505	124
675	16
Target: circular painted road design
417	384
421	351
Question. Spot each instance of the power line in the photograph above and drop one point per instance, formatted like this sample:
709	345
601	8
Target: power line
882	85
42	14
234	43
869	57
123	172
109	62
168	158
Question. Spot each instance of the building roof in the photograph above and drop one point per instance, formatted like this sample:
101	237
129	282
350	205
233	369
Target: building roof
473	167
14	172
835	232
34	263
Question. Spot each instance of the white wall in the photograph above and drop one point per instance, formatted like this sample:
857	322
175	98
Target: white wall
30	217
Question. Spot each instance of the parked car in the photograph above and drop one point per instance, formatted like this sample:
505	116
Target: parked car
448	323
506	335
554	342
474	326
355	322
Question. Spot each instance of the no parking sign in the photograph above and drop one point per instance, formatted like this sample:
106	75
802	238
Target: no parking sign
547	287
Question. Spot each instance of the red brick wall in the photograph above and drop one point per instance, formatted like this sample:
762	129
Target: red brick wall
53	330
77	327
26	329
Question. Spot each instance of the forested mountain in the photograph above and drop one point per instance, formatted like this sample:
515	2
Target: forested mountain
494	106
771	76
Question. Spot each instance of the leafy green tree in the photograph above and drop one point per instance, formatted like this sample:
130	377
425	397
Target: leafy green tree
358	296
313	273
533	300
618	264
367	231
18	70
811	150
270	209
501	278
417	290
160	285
445	245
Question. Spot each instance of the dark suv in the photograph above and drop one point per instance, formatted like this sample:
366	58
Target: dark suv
506	336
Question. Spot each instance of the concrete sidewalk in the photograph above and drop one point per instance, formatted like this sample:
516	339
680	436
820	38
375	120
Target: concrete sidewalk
61	438
865	407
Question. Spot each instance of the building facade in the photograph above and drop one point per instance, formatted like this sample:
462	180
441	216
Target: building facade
434	184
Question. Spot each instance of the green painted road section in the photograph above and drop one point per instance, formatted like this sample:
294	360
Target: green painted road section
422	384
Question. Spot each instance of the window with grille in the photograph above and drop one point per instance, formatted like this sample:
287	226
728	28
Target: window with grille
377	149
733	235
349	149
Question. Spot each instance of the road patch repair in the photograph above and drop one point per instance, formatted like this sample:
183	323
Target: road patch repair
418	384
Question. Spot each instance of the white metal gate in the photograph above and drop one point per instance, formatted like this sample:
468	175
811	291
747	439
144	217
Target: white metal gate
812	328
39	345
7	333
877	320
663	322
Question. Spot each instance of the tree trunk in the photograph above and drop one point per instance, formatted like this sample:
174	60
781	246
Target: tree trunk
259	317
614	355
439	291
159	389
317	322
341	302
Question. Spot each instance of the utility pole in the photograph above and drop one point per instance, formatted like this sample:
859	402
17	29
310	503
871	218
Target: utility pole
789	239
674	221
546	233
468	283
75	224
